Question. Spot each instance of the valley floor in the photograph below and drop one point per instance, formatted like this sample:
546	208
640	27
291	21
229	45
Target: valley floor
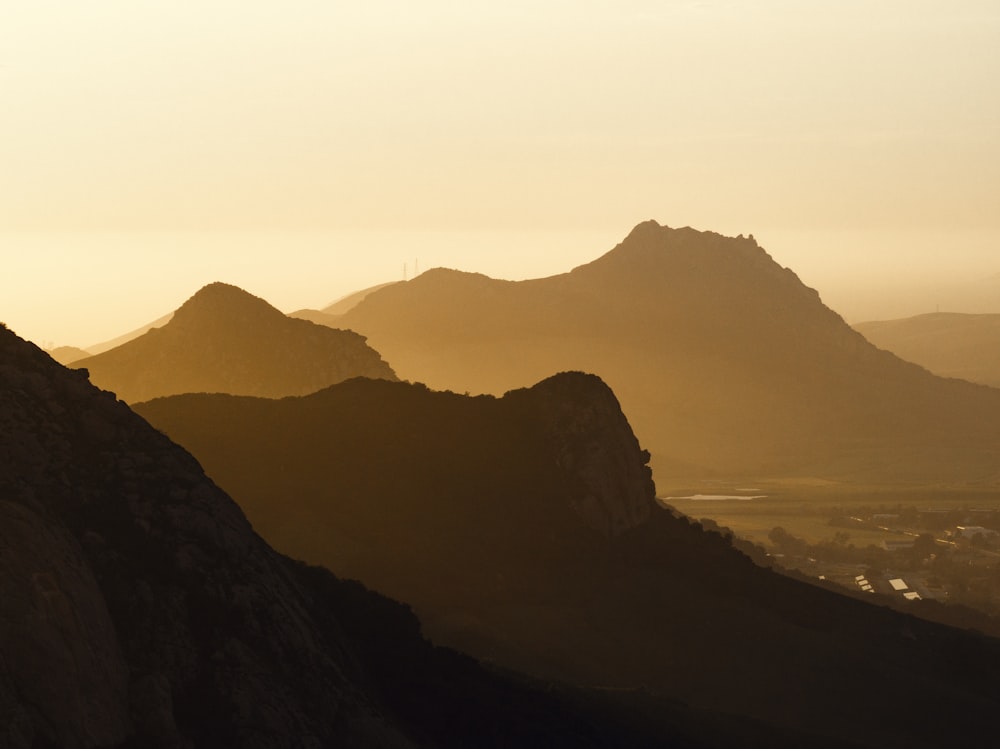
942	543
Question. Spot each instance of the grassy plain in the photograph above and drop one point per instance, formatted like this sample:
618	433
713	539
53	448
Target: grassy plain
805	507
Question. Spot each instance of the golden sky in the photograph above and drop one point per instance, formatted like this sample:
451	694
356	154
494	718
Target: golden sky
146	145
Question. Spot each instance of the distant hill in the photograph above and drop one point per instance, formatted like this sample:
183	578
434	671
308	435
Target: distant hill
100	348
725	363
524	530
352	300
226	340
949	344
68	354
329	315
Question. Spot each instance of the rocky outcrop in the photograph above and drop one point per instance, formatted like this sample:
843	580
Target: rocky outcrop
63	676
138	603
228	341
596	449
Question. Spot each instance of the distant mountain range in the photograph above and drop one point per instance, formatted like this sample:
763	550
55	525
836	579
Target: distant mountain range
524	530
100	348
725	363
226	340
68	354
949	344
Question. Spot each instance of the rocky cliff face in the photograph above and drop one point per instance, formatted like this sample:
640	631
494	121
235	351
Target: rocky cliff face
228	341
137	602
596	449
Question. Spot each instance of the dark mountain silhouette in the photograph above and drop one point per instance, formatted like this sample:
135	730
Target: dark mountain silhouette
139	609
724	361
524	530
68	354
949	344
226	340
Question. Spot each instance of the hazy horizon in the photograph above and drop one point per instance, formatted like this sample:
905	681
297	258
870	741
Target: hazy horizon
81	290
305	152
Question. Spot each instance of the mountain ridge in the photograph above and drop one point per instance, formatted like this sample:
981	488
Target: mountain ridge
139	608
949	344
707	334
224	339
489	516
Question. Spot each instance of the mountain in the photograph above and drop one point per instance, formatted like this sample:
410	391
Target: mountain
329	314
949	344
68	354
352	300
725	363
100	348
225	340
524	531
139	609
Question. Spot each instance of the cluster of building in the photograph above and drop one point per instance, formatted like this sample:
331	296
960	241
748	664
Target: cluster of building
897	584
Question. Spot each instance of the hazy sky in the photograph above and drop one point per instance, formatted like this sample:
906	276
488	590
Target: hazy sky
309	147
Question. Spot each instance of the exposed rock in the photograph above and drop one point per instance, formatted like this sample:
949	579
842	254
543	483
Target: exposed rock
210	640
596	448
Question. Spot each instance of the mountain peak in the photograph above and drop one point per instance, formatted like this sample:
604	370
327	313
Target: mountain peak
226	340
222	300
646	228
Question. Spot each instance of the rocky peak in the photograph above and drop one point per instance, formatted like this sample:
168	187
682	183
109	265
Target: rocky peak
595	446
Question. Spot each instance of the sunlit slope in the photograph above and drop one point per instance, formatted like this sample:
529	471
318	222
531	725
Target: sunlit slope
100	348
724	362
949	344
226	340
524	530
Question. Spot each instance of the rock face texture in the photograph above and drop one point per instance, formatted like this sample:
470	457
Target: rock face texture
54	621
139	609
225	340
595	447
523	531
138	602
724	362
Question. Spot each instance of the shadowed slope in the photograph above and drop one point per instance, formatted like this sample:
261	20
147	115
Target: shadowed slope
947	343
226	340
139	609
723	361
524	530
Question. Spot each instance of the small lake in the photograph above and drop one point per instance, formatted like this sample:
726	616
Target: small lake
717	497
